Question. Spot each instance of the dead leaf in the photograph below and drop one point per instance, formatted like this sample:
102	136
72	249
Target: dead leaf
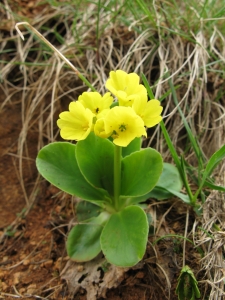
92	278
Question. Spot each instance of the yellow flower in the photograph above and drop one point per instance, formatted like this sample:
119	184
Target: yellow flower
99	129
99	126
95	102
123	124
125	87
75	124
149	111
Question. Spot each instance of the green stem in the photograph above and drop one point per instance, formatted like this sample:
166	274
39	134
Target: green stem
117	175
84	79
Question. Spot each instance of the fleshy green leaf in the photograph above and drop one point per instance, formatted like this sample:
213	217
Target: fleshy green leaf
159	193
185	198
169	184
140	172
86	210
124	237
57	163
169	180
95	158
83	243
133	200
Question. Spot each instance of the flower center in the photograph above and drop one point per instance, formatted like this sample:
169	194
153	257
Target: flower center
122	127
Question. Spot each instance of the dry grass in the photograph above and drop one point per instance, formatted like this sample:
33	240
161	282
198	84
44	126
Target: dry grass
46	86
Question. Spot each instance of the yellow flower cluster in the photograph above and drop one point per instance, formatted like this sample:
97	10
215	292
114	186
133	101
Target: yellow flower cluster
122	122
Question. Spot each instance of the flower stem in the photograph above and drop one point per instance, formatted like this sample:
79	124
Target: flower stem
117	175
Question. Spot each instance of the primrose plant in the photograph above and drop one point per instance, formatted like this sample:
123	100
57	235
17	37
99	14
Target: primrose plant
107	169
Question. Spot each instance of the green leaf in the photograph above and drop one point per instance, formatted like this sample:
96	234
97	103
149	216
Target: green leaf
140	172
57	163
214	160
169	184
183	197
135	145
213	186
159	193
95	157
133	200
86	210
83	243
187	287
124	237
169	179
196	291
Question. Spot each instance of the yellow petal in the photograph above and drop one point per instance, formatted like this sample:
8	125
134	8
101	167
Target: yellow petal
124	124
75	124
99	129
95	101
125	87
152	113
139	104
